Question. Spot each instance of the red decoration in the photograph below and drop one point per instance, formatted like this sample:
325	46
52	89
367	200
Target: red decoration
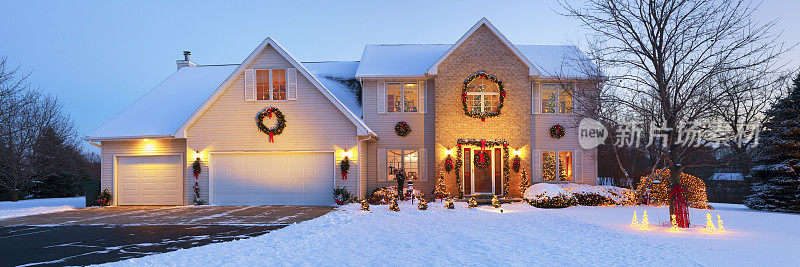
516	164
681	209
345	167
483	148
279	125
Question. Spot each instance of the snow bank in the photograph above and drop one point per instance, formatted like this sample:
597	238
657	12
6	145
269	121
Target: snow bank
21	208
548	190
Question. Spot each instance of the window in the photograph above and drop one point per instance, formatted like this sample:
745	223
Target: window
407	160
271	84
279	84
557	98
401	97
483	95
557	166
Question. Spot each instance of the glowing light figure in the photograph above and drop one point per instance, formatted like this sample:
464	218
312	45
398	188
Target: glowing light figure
674	228
635	220
709	224
645	224
719	224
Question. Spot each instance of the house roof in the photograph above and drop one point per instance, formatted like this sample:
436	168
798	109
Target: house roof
162	110
333	74
402	60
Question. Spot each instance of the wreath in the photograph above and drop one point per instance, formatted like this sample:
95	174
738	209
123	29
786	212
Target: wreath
279	125
448	164
557	131
482	115
345	167
515	166
481	160
402	128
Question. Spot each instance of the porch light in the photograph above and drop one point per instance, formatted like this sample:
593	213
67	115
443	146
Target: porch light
146	140
517	152
198	154
448	152
347	154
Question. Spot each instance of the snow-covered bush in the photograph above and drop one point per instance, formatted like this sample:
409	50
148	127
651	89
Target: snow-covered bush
544	195
589	195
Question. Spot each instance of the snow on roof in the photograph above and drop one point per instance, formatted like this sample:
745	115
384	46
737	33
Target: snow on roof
163	109
726	176
415	59
331	75
399	60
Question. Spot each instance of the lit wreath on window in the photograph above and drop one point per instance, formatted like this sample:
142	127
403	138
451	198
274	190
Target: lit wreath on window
486	160
557	131
279	125
402	128
482	115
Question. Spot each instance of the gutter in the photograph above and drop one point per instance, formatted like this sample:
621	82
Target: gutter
121	138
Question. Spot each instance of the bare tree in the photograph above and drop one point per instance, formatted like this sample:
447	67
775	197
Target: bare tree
33	127
665	56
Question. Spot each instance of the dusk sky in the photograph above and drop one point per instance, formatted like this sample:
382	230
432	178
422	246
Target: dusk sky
98	57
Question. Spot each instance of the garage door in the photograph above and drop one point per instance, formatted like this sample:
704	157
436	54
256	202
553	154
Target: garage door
150	180
272	179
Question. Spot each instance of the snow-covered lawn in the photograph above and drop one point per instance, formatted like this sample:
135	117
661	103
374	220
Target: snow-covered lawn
20	208
521	235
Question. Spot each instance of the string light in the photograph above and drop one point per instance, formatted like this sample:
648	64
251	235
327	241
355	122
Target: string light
635	220
674	228
709	224
645	225
364	205
659	192
719	223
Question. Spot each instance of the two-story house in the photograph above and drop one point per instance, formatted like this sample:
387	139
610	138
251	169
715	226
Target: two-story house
478	114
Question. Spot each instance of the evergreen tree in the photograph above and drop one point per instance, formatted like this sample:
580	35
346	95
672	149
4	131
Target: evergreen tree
776	182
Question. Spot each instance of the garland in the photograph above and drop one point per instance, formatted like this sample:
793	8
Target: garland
279	125
345	167
482	115
484	143
402	128
557	131
196	169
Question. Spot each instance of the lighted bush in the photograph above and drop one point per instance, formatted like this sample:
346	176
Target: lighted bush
552	202
599	195
382	195
659	191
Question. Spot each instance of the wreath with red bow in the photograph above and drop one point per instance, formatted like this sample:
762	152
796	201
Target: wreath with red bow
402	128
481	160
279	125
557	131
482	115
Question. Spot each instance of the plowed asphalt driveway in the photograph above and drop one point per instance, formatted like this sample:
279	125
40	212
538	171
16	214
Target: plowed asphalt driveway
97	235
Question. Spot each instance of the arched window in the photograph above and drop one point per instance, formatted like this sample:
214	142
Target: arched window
483	95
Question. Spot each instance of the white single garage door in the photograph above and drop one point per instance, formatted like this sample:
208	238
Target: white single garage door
149	180
301	178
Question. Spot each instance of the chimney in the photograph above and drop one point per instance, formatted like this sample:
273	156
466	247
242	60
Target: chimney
185	62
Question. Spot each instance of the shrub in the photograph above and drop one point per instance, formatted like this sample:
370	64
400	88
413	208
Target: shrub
552	202
593	199
105	198
382	195
342	196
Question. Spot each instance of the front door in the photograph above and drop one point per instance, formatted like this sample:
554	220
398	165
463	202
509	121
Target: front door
482	178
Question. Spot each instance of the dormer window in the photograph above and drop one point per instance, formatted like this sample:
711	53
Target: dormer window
271	84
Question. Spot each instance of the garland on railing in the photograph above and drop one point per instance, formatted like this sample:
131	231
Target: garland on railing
484	144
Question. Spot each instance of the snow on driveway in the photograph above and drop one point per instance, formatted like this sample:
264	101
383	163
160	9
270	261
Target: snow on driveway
9	209
521	235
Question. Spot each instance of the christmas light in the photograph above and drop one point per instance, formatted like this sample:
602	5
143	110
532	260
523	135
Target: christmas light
449	204
635	220
645	224
393	205
719	224
495	201
709	224
674	228
364	205
472	202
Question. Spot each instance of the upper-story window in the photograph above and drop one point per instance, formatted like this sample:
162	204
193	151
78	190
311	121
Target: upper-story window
401	97
557	98
271	84
483	95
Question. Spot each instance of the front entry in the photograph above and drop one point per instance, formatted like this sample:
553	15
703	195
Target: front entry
486	180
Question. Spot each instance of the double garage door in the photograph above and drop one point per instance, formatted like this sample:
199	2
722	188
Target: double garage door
272	178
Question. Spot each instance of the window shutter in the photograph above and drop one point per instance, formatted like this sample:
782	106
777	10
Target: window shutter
421	165
536	171
249	85
422	91
578	166
536	99
382	176
381	98
291	83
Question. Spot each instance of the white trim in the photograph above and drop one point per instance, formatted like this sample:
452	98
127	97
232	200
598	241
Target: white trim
532	70
132	137
362	128
210	172
115	169
402	97
472	170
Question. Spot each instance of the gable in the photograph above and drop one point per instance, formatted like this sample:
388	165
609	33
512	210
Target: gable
484	25
280	58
